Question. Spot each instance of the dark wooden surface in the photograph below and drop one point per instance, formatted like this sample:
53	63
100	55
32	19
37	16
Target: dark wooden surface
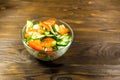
94	54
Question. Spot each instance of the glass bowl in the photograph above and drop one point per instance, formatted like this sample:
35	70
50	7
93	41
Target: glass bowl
41	55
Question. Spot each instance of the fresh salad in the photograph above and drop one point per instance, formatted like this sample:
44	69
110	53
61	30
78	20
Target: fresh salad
46	35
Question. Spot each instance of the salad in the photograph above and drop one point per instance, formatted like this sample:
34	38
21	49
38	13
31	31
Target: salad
46	35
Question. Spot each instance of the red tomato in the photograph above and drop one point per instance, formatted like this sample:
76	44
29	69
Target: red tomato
63	30
35	44
48	42
50	22
45	25
50	53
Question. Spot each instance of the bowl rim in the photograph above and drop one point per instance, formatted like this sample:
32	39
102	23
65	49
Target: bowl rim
61	21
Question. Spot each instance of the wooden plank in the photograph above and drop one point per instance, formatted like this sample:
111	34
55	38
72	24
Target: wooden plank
93	55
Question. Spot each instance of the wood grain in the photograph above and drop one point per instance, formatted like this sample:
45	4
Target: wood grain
93	55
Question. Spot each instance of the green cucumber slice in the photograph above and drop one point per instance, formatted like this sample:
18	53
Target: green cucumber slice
29	23
56	28
62	43
37	35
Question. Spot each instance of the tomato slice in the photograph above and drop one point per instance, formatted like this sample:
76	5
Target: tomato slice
48	42
63	30
27	35
45	25
50	53
50	22
35	44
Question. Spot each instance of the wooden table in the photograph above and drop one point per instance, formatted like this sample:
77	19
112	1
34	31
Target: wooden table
93	55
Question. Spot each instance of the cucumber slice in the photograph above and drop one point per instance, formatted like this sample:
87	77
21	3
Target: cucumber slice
47	32
62	43
50	35
63	40
56	28
65	37
29	24
52	31
27	39
36	35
